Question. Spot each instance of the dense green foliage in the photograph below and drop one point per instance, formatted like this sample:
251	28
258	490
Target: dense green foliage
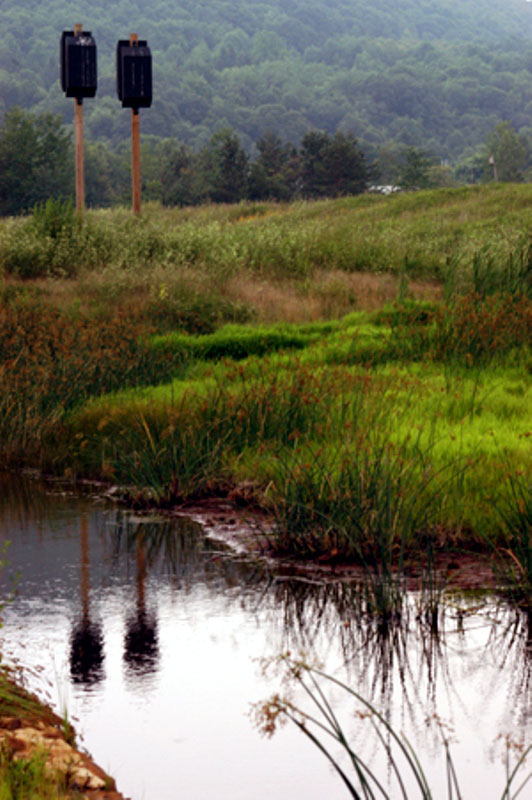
35	161
436	75
35	166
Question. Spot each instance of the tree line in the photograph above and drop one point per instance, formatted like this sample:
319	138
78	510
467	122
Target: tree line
36	163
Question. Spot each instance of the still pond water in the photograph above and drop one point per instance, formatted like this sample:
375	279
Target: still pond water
151	634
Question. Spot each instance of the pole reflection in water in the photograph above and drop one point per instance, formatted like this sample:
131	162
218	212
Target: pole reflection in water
140	648
86	644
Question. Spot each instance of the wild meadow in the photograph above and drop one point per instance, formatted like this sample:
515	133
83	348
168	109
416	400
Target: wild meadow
358	368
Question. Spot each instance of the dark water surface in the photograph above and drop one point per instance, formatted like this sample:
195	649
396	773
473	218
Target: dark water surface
150	635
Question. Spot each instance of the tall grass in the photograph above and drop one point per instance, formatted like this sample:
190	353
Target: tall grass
51	362
513	553
162	445
428	234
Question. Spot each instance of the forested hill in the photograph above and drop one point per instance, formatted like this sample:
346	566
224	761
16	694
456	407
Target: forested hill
436	74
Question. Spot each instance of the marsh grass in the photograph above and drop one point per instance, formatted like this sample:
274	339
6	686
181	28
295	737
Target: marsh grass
310	432
471	330
30	779
364	501
183	446
425	235
238	342
372	503
50	362
313	415
513	556
489	275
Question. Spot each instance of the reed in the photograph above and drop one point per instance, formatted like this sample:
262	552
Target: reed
405	776
512	556
372	503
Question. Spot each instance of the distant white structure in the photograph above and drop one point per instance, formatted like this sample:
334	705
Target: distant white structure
384	188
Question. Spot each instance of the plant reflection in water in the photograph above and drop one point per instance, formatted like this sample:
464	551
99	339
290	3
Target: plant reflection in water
410	654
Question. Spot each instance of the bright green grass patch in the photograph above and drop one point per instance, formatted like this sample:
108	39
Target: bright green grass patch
240	341
453	432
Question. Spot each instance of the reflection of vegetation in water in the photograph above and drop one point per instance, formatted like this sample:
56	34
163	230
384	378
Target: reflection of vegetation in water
510	646
178	546
409	652
410	662
27	501
376	655
321	723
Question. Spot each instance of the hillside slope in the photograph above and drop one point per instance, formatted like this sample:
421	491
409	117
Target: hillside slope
437	74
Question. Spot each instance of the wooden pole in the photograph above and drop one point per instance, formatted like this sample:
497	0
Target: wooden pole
135	146
78	138
80	166
135	159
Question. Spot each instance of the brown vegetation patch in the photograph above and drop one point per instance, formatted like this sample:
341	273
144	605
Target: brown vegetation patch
329	294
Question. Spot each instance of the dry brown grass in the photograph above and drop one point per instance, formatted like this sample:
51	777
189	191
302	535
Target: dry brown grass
328	295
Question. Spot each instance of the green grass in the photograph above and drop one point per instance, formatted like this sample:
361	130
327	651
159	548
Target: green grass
423	233
290	420
175	366
29	779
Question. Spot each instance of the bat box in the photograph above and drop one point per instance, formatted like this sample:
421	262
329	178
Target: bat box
78	64
133	74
